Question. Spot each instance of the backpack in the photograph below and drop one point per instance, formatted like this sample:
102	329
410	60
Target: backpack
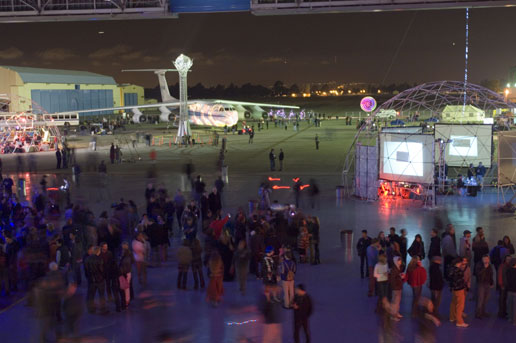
290	274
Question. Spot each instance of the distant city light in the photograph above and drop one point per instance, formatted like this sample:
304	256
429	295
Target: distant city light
101	32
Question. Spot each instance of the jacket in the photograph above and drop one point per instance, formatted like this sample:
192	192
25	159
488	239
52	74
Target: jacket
184	255
511	280
436	277
94	269
435	247
417	249
395	279
457	282
448	246
362	245
417	277
465	248
372	256
480	248
484	275
304	307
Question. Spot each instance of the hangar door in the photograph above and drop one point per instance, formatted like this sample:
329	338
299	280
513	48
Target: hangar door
62	100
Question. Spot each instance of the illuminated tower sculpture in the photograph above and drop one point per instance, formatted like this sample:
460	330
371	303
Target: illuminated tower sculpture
183	64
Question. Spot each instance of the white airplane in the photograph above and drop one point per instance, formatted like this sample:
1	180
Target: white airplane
206	112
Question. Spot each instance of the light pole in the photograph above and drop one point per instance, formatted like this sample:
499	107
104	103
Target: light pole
183	64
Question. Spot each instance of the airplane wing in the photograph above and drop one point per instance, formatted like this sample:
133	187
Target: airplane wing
244	103
157	105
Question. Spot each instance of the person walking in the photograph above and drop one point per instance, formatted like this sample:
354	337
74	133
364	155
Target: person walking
363	243
241	260
125	277
416	276
396	279
436	283
139	252
272	160
58	158
281	157
288	270
485	281
303	309
458	287
316	142
372	258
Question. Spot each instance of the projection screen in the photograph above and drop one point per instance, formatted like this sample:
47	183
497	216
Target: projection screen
467	144
407	157
506	158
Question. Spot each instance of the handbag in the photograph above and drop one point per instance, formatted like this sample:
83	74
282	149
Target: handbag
123	282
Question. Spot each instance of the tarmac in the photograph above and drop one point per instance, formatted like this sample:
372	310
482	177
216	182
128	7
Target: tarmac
342	310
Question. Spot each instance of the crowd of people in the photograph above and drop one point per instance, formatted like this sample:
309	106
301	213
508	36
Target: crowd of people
111	253
467	265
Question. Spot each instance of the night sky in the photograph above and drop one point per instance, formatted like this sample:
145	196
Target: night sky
241	48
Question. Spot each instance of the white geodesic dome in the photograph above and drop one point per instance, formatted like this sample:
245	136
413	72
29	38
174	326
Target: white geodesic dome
431	98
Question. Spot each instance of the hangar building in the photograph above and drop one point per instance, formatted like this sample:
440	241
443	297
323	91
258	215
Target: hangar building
55	90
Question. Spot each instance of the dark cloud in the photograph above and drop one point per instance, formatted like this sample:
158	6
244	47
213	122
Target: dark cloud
10	53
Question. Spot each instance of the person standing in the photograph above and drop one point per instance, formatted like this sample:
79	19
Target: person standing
316	142
94	270
125	279
111	273
272	318
485	281
403	245
139	252
416	276
435	245
458	288
417	248
362	244
288	273
449	249
215	288
303	309
480	247
58	158
197	263
502	286
280	159
381	274
184	260
372	258
272	160
241	260
511	292
436	283
396	279
112	153
465	245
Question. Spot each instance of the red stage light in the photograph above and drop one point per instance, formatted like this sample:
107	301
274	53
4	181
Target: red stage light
304	186
280	187
295	179
274	178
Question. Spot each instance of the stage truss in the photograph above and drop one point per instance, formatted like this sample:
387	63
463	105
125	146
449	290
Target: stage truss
26	131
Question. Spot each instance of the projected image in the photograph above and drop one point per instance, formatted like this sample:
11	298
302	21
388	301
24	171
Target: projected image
463	146
403	158
471	143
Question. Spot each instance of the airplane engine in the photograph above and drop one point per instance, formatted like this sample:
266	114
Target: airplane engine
265	115
138	116
247	114
166	115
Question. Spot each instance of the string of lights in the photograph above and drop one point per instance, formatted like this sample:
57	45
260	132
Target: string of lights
466	55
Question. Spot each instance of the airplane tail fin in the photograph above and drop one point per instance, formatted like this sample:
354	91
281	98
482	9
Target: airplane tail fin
163	85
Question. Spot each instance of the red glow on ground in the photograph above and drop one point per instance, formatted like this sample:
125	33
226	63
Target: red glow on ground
274	178
295	179
304	186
